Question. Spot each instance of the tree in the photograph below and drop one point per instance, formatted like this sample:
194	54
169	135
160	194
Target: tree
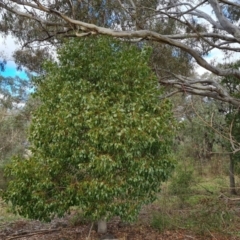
13	91
204	131
14	118
13	115
197	32
202	127
101	138
232	118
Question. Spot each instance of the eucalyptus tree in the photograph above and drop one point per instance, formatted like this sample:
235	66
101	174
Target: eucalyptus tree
14	118
232	116
203	25
101	139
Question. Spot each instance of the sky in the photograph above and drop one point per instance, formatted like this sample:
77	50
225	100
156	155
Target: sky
7	46
217	56
11	71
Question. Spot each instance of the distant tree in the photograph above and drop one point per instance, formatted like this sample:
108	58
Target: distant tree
13	91
205	127
14	119
233	120
101	138
32	59
211	125
203	131
202	26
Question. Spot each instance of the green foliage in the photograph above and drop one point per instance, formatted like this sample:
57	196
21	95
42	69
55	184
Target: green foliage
204	130
101	139
182	181
13	120
78	219
162	222
204	213
209	214
181	184
233	116
12	91
5	215
12	138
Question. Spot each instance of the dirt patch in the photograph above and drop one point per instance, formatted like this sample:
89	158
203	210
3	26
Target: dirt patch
62	229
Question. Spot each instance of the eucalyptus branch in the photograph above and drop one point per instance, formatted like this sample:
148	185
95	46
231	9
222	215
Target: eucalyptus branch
228	138
180	12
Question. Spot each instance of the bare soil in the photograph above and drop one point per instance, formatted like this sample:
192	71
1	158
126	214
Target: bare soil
65	229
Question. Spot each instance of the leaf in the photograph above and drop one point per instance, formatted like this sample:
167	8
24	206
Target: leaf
95	137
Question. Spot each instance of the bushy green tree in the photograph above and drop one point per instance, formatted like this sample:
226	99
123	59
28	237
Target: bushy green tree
101	138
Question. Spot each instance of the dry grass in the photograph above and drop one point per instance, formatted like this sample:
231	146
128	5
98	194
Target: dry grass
199	202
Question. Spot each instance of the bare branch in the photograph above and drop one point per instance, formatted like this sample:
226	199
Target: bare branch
225	23
220	32
205	87
235	4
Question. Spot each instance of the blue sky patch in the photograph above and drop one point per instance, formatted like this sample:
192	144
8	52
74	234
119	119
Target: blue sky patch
11	71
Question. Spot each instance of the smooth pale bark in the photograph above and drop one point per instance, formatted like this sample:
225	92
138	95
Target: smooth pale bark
226	38
102	226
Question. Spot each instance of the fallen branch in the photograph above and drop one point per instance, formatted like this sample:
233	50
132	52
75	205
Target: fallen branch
28	233
227	198
88	237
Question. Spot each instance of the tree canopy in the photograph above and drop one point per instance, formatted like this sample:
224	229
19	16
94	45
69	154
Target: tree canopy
101	138
202	26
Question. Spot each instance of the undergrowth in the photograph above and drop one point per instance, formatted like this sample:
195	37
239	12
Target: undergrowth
199	204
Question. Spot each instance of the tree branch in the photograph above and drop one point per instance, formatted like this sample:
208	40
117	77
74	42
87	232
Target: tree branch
205	87
180	12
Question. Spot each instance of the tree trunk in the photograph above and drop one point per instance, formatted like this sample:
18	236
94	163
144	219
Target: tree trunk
231	175
102	225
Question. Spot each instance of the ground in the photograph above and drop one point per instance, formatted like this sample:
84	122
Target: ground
72	228
205	212
23	230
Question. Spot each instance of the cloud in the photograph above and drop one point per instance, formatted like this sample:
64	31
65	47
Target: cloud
7	46
217	56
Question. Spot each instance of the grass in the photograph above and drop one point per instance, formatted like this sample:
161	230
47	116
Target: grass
207	215
5	215
189	201
192	202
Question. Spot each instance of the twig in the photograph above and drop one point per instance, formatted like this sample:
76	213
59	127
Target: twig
227	198
90	231
232	141
222	218
170	94
211	234
27	234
